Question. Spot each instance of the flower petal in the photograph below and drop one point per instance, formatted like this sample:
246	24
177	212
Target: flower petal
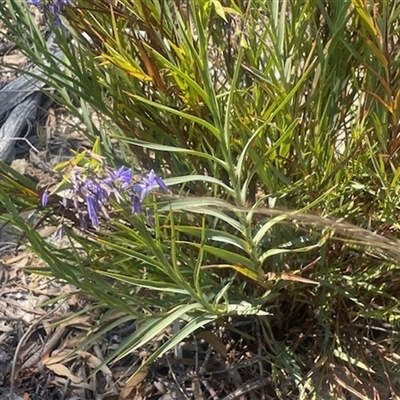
44	198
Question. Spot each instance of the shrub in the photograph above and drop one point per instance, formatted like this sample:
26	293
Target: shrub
265	119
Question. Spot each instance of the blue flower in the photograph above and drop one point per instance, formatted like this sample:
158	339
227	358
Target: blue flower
44	198
148	184
120	178
136	203
93	210
96	189
94	192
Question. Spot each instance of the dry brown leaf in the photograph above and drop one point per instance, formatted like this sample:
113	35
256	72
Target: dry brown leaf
214	341
24	262
57	356
14	59
72	342
95	362
73	300
77	322
21	256
62	370
26	347
131	384
350	389
47	231
290	277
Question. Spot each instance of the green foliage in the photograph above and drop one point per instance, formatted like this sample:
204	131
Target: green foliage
248	108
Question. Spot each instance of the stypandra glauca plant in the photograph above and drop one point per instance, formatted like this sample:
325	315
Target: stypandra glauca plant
215	117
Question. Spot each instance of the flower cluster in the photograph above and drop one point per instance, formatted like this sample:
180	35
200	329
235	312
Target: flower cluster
53	7
96	192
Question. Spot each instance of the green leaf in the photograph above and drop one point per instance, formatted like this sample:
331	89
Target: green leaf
184	333
96	149
153	327
211	128
219	9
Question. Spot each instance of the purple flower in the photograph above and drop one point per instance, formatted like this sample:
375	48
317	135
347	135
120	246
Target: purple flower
44	198
136	203
96	189
120	178
148	184
96	198
93	210
91	194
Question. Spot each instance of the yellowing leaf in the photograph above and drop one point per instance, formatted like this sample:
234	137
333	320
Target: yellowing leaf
246	272
96	147
126	66
365	15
